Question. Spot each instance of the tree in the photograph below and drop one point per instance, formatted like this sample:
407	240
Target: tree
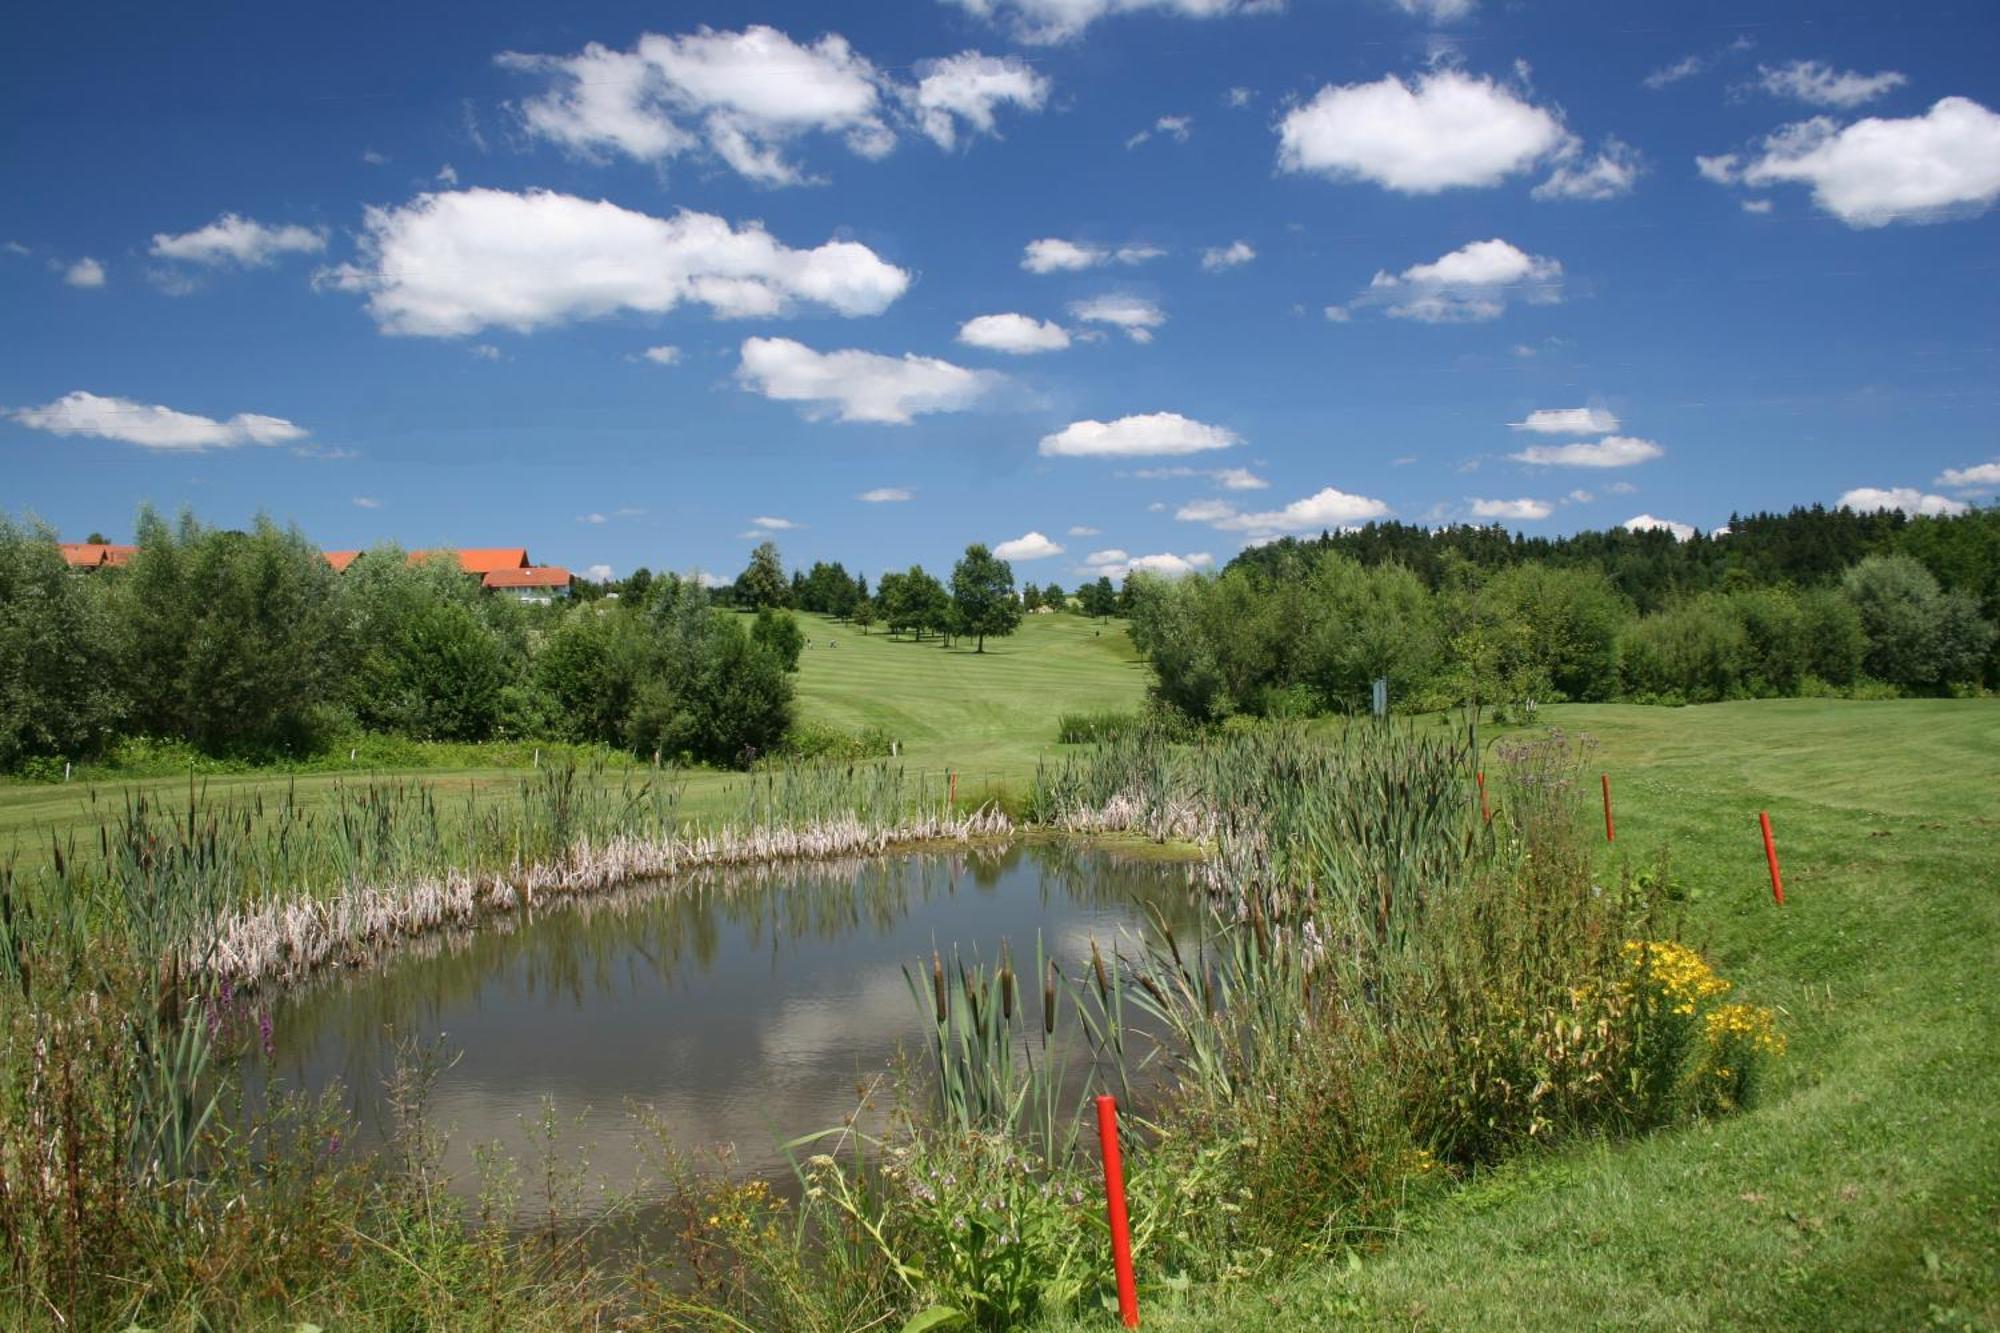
863	613
1031	597
762	582
59	694
982	590
779	634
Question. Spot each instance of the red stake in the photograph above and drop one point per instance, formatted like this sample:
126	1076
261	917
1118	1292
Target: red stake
1114	1205
953	798
1771	855
1485	810
1607	807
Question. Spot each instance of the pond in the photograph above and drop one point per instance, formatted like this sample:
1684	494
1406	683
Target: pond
745	1008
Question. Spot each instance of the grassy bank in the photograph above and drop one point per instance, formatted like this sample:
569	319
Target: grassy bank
1862	1192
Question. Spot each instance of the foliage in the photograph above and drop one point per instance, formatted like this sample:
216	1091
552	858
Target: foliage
982	595
58	659
778	633
762	582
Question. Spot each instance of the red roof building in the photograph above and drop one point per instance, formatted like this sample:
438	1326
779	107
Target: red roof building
545	580
95	555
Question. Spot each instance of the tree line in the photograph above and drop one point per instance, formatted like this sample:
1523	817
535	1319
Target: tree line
1473	615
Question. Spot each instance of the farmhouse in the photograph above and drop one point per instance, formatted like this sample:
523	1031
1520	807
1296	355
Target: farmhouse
95	555
502	569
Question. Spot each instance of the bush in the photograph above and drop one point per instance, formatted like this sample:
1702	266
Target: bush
778	633
816	740
1091	728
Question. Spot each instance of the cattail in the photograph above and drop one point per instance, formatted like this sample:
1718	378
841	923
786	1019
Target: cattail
937	984
1007	991
1097	966
1049	1001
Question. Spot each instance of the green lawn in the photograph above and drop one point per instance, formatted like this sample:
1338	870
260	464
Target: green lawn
987	716
1864	1192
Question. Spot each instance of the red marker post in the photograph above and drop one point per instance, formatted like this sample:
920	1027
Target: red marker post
1608	828
1114	1206
1771	855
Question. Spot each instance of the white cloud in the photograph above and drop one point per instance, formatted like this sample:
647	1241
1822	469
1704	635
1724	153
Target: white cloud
1177	128
367	502
1568	421
373	158
969	87
152	427
1759	206
1020	335
1238	97
1470	284
598	573
1611	451
887	495
595	519
1622	488
1438	11
1579	496
1052	254
85	272
447	174
1906	498
665	355
1229	478
1081	530
708	580
487	352
1684	68
455	263
743	96
1942	164
1137	316
770	524
1337	314
1116	564
1152	434
1028	546
1613	172
1216	258
1520	510
1046	22
1819	84
237	240
1447	130
1978	476
854	385
1326	508
1647	523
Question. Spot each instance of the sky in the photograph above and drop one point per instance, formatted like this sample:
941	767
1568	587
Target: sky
1102	283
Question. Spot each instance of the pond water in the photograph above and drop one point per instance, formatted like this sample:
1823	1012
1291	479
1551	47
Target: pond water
745	1009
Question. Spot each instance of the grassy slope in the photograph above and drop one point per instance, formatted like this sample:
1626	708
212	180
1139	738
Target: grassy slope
986	715
1865	1191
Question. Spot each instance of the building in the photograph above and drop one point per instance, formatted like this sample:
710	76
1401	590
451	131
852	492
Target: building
533	583
502	569
95	555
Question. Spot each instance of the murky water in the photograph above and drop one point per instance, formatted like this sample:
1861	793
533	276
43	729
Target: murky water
744	1009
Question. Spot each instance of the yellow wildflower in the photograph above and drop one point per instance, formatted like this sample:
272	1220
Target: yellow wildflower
1684	979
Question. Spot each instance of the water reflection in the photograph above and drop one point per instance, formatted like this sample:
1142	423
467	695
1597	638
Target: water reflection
746	1007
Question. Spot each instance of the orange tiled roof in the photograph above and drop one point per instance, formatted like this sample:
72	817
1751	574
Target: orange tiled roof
483	560
92	555
340	560
542	576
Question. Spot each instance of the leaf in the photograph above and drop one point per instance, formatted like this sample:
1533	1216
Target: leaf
938	1316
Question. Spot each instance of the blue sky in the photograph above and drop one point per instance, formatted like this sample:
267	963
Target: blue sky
1266	268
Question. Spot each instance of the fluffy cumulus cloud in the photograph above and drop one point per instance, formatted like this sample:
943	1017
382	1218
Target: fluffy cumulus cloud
748	97
1567	421
455	263
1819	84
1614	170
1046	22
153	427
663	356
1445	130
1020	335
883	495
1977	477
1906	498
1135	315
1519	510
1028	546
1438	11
854	385
1940	165
1683	532
1152	434
1116	564
85	272
1324	509
1611	451
1052	254
598	573
237	240
1219	257
970	88
1473	283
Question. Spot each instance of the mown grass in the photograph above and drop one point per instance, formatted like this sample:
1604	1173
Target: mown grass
1864	1190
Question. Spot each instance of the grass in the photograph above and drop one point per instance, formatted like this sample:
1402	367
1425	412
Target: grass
987	716
1863	1191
